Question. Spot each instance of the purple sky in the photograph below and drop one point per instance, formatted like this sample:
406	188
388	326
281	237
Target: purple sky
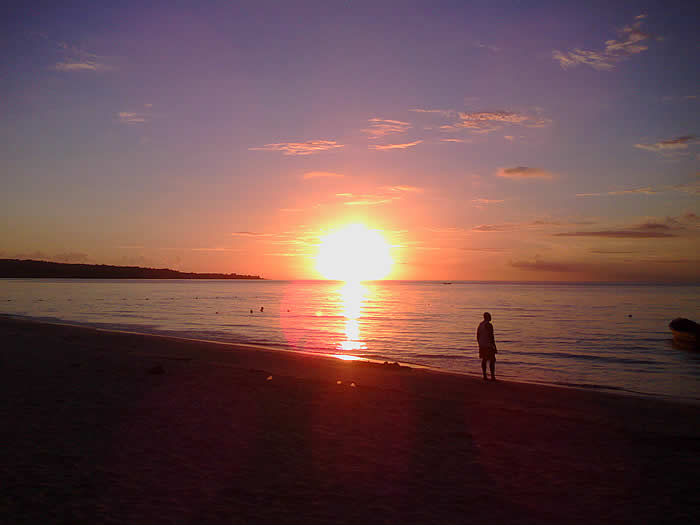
486	140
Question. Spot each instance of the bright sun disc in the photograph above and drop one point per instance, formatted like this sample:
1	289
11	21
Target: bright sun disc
354	253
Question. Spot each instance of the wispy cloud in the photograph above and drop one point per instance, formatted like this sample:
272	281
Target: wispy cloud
322	174
129	117
493	228
139	116
484	121
301	148
443	112
482	249
544	266
671	98
550	221
482	45
653	225
613	252
651	228
458	141
252	234
524	172
537	122
689	187
680	222
474	118
80	66
630	42
671	145
77	59
483	202
449	233
293	243
218	249
403	189
634	191
383	195
488	121
617	234
369	200
379	128
387	147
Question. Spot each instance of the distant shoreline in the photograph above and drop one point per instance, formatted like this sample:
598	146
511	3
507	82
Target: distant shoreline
31	269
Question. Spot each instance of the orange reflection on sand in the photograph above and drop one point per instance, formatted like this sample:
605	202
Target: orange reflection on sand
353	295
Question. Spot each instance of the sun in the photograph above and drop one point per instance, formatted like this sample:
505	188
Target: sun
354	253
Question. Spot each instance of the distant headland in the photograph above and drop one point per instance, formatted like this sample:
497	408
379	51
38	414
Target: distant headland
44	269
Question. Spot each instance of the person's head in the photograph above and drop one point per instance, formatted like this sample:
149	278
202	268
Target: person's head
487	316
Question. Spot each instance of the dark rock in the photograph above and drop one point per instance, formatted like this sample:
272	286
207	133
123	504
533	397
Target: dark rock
156	370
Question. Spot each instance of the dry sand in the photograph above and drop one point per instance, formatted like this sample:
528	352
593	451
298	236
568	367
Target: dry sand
89	435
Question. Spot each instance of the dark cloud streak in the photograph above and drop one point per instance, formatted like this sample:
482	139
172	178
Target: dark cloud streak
617	234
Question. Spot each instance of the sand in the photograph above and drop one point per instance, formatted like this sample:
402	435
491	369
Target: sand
108	427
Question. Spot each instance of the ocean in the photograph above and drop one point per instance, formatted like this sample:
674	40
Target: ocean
608	337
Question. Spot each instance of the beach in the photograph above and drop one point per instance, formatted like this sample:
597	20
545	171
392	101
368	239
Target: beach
113	427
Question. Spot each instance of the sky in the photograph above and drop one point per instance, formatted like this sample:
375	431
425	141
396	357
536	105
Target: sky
530	141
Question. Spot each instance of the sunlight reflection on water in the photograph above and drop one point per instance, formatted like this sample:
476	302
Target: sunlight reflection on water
353	295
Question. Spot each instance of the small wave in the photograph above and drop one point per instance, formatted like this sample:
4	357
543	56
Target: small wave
438	356
585	357
592	386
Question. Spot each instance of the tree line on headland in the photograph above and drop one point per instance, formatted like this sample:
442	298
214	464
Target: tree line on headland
44	269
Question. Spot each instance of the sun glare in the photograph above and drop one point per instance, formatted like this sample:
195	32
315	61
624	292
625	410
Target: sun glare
354	253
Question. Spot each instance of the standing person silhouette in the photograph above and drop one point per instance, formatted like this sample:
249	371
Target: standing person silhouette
487	345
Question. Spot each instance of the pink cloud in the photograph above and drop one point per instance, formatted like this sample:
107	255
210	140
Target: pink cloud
524	172
387	147
301	148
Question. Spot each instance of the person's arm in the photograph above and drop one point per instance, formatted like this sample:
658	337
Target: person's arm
491	336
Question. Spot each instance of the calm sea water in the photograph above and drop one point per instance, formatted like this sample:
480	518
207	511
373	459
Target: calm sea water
608	337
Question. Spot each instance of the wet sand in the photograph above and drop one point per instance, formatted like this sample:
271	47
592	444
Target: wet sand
108	427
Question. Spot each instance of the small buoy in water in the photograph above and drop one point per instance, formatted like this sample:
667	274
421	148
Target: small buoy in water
269	378
251	310
630	315
262	308
217	312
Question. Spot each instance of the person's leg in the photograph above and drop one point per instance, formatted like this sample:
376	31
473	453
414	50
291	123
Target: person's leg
483	367
492	366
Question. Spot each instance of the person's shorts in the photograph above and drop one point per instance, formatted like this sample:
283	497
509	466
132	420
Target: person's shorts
487	353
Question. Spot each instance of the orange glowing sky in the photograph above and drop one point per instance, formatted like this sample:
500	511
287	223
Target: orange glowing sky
523	143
